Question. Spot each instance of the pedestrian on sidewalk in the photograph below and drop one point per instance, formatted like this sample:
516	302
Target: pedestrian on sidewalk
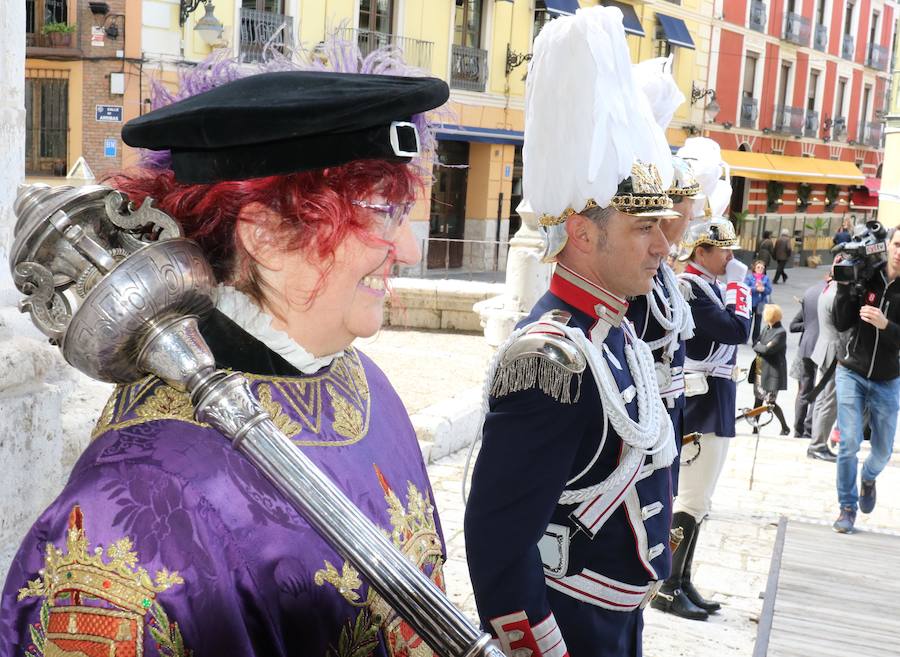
824	355
766	249
782	254
806	323
760	290
567	526
867	378
769	371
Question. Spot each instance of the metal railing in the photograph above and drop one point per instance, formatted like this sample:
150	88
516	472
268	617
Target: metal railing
442	254
261	30
749	112
872	133
839	128
820	38
848	47
811	125
789	120
878	57
468	68
414	52
797	29
758	15
46	125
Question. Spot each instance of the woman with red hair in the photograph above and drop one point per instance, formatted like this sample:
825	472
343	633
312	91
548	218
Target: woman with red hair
165	540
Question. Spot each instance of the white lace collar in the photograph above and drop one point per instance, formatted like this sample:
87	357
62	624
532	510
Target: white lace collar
240	309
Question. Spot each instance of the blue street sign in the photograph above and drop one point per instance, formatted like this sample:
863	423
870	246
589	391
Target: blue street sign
109	113
110	147
507	171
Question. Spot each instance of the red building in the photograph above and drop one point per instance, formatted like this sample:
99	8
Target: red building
802	87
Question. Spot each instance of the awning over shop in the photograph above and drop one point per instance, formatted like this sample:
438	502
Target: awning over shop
787	168
676	31
562	7
873	185
630	20
486	135
861	199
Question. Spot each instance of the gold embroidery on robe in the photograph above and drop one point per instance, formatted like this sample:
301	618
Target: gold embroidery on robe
295	404
71	627
414	533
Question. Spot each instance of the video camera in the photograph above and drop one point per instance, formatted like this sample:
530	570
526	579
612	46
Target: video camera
864	255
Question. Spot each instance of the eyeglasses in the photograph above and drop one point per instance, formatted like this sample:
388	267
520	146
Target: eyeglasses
392	215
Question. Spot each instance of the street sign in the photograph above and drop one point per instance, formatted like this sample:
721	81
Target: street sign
108	113
506	171
110	147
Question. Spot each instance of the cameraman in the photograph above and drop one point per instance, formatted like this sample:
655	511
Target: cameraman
868	375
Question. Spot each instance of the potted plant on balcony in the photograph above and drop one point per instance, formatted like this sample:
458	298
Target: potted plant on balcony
819	228
60	34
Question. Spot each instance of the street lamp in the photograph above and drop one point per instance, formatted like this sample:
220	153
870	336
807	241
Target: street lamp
209	27
711	109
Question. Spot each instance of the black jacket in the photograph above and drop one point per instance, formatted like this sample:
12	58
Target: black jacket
772	362
870	352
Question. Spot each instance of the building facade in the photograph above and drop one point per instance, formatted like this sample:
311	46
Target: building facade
802	89
81	83
772	81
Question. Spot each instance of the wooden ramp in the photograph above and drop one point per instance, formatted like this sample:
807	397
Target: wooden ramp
831	595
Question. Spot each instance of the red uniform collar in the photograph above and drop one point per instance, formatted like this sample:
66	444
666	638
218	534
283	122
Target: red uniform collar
588	297
697	270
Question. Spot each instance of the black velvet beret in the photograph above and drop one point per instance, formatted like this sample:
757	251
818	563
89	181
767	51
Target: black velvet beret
285	122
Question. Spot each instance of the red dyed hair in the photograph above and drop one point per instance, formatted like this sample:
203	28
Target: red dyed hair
315	209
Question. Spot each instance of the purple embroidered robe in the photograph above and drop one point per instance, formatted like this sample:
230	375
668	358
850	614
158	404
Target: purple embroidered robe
199	554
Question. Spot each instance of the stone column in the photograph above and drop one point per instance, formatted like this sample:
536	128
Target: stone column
36	451
527	278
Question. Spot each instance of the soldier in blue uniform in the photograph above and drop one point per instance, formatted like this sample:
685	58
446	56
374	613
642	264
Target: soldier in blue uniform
721	316
662	317
567	525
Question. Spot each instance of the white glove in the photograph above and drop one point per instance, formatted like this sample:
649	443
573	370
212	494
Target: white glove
735	271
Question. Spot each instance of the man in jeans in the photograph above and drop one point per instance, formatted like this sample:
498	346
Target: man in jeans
867	378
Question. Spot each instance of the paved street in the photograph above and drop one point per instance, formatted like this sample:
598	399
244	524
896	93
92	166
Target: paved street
736	543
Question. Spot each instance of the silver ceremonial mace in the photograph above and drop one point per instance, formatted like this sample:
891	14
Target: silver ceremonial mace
120	291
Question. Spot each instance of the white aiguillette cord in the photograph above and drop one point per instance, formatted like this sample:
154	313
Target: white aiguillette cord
643	435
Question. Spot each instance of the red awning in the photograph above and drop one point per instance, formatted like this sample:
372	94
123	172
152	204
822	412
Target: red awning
860	199
873	185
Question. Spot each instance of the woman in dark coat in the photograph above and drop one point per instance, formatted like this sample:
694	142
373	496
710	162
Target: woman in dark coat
771	363
766	249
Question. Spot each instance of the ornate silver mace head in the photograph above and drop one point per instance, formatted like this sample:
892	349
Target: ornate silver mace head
103	280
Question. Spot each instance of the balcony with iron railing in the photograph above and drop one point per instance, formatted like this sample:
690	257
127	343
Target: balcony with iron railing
262	30
749	112
877	57
414	52
811	124
789	120
758	13
797	29
872	133
468	68
820	38
839	128
848	49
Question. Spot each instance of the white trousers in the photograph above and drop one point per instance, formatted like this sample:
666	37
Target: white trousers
697	481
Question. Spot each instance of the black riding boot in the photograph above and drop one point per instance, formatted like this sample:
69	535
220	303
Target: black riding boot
671	597
687	586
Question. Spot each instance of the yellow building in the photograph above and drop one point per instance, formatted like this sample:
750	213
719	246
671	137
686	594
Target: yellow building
81	89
